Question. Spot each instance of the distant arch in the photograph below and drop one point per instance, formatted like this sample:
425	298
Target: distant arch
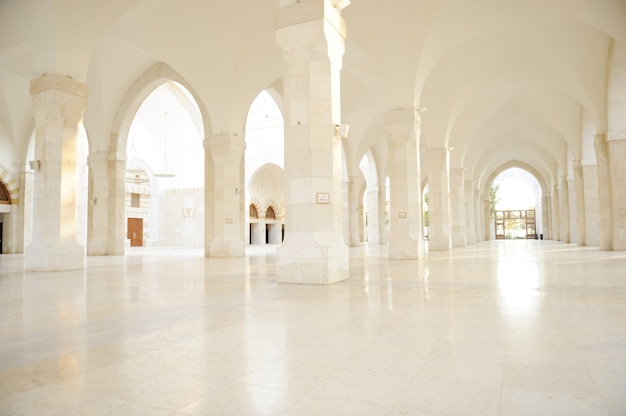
515	164
253	212
11	187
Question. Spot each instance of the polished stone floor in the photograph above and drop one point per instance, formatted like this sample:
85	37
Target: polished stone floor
497	328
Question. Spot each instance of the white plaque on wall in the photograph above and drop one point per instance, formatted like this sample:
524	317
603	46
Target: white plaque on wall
322	198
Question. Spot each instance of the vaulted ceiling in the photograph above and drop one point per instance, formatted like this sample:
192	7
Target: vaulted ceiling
502	81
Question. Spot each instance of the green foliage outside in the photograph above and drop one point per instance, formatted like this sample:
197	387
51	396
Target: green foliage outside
425	208
493	200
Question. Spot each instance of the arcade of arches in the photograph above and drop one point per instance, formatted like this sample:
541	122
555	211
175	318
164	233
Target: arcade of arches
554	106
248	144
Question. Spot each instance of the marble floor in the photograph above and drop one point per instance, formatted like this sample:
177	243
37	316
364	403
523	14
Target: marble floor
496	328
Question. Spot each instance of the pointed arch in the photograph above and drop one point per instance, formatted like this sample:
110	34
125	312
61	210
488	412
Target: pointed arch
150	80
11	186
515	164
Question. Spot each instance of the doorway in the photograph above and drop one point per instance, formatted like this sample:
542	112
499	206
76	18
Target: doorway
0	238
515	224
135	232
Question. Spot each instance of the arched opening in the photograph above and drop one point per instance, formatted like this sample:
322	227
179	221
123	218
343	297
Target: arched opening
368	219
264	165
5	197
267	185
165	171
515	205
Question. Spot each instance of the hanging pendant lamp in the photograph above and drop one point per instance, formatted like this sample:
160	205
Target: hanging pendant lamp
165	171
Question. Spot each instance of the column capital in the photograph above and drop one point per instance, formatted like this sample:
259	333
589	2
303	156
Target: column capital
616	135
96	156
306	12
439	153
60	83
458	172
599	139
222	138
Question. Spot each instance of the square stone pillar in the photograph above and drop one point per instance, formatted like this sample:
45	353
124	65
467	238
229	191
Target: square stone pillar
457	208
312	37
545	217
58	106
106	210
605	193
592	204
439	238
564	219
351	213
375	216
487	221
617	169
224	196
579	196
555	214
571	202
406	238
470	217
479	217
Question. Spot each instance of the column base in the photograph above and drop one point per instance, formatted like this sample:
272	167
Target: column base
312	258
65	254
225	249
435	244
406	250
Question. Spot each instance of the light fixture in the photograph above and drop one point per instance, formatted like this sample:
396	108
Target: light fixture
165	171
34	164
135	175
342	130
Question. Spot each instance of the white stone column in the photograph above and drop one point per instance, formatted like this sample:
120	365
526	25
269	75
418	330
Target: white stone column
224	196
351	213
58	106
617	163
375	217
546	225
571	203
604	193
579	201
312	37
457	208
361	221
478	215
592	205
571	194
439	238
564	211
555	214
383	203
105	216
470	217
487	221
406	239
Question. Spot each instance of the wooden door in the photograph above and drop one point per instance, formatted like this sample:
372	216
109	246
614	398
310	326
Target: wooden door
135	232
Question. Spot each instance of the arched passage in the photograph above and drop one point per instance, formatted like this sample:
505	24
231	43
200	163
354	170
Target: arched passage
107	170
527	192
164	171
264	165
